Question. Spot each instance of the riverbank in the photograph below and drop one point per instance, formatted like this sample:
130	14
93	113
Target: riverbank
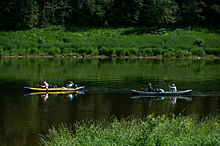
111	42
121	57
153	130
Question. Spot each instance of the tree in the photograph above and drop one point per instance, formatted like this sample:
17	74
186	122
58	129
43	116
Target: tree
159	13
31	16
125	12
190	13
212	13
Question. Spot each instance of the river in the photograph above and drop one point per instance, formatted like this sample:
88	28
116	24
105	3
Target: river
108	83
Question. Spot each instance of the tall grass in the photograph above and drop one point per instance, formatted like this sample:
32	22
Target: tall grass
152	130
59	41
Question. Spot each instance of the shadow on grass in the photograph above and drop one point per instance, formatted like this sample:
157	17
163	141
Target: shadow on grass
76	29
160	31
140	31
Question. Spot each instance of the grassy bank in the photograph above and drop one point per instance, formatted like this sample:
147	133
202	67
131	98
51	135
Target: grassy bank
63	41
153	130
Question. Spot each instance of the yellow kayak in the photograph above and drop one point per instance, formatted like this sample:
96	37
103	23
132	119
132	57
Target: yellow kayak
30	89
55	92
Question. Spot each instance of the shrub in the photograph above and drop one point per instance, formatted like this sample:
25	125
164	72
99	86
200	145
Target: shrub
157	51
169	53
1	51
198	52
186	53
95	52
66	51
152	130
54	51
209	51
32	51
42	51
10	47
148	52
102	50
212	51
216	51
41	40
106	51
131	52
120	52
110	52
61	45
182	53
22	52
199	42
83	51
14	52
178	53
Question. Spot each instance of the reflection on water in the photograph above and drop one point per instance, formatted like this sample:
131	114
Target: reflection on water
45	95
108	83
170	99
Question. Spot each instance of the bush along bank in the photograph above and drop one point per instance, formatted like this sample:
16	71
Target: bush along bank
119	42
153	130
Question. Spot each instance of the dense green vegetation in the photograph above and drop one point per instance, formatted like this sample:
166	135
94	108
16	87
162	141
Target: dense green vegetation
20	14
133	41
142	28
153	130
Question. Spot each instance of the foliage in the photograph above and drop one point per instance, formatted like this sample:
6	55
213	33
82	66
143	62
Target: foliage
198	52
157	51
141	41
169	53
120	52
190	13
131	52
105	51
54	51
1	51
146	52
212	51
21	14
199	42
159	12
152	130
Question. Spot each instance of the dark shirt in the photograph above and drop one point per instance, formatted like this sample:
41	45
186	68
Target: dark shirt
150	89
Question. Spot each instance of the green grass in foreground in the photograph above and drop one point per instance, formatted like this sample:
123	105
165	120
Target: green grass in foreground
61	41
153	130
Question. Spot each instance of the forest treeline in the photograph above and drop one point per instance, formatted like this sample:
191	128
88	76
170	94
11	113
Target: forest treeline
23	14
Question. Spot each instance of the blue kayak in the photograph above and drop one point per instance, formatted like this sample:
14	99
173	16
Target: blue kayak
166	93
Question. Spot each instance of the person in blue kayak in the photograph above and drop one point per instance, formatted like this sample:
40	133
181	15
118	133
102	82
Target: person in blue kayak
150	88
70	84
173	88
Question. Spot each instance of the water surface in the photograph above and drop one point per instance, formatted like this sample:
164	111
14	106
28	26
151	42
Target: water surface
108	83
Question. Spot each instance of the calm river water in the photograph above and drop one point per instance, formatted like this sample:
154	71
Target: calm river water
108	83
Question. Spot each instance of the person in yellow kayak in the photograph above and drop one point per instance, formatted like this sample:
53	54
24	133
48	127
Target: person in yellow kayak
45	85
70	84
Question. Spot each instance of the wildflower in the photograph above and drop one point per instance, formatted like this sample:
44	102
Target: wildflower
166	34
34	35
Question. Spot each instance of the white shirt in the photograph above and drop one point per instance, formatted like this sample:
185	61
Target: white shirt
173	89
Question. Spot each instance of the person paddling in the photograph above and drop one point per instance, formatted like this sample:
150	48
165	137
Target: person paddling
150	88
173	88
45	85
70	84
